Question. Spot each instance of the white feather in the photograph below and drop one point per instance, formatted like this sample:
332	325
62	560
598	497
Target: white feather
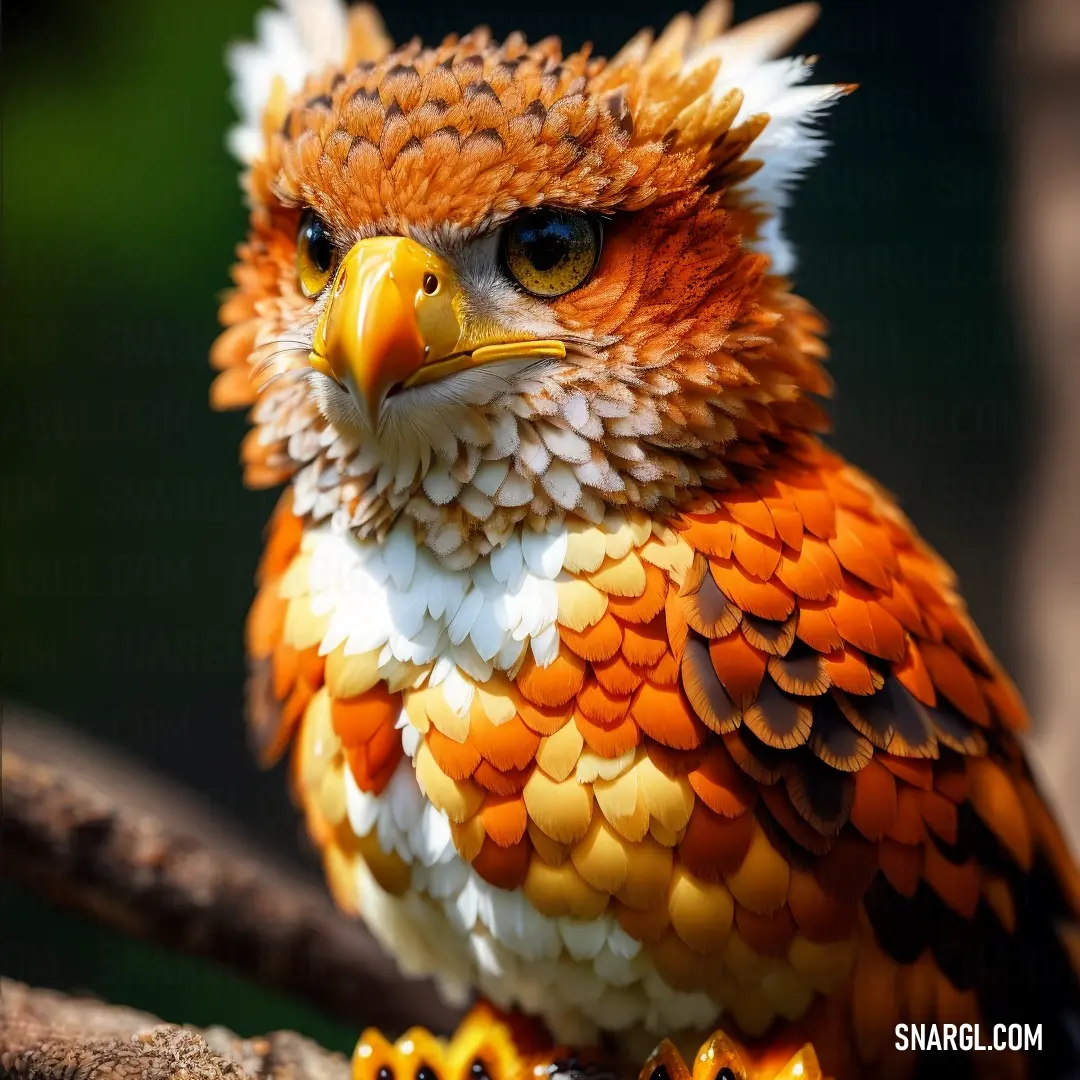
583	938
466	904
545	646
486	633
490	475
621	943
399	552
561	484
466	614
506	560
468	659
544	552
565	444
458	692
291	42
510	655
515	490
439	486
362	808
410	740
487	958
614	969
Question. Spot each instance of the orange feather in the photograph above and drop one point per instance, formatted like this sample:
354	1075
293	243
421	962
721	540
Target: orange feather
739	667
555	684
664	714
598	642
713	845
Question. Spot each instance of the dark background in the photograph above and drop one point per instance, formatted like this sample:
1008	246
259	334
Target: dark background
129	545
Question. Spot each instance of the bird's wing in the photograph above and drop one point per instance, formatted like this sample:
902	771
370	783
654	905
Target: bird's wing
767	732
818	729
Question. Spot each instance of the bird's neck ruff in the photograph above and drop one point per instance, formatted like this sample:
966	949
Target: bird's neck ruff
549	443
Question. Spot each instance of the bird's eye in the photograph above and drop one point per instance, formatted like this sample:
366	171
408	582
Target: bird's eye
550	252
315	254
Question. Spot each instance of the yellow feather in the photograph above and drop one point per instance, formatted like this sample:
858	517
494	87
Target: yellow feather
701	912
303	629
623	804
387	867
401	675
339	866
602	858
558	754
442	716
640	526
746	965
581	605
620	577
329	796
648	875
560	891
468	837
551	851
761	883
618	537
318	745
675	559
670	799
591	765
415	711
294	582
495	699
457	799
584	547
562	809
347	676
663	835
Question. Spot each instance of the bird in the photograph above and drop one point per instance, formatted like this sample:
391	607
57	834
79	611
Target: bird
611	692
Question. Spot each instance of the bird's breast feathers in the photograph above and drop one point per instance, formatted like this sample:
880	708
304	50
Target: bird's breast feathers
650	766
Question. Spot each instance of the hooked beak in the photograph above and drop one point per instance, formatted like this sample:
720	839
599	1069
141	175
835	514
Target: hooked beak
393	321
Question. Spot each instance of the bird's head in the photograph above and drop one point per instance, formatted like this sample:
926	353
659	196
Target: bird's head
487	281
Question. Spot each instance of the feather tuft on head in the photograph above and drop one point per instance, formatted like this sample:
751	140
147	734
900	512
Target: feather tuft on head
293	41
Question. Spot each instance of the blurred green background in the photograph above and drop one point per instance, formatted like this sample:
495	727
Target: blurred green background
129	545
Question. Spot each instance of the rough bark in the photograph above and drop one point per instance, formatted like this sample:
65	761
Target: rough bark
45	1035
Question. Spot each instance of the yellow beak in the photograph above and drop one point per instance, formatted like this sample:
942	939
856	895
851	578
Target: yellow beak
393	321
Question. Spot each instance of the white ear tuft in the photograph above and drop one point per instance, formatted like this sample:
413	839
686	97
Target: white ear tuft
787	147
751	60
292	41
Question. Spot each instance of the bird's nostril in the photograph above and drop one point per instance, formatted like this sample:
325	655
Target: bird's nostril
431	284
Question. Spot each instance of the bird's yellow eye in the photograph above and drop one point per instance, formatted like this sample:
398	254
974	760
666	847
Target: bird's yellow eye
549	252
315	254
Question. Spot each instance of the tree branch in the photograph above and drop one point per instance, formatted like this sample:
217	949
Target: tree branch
45	1035
100	837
